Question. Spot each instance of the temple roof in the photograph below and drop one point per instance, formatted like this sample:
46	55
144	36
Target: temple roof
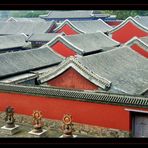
123	70
13	41
23	61
134	21
142	42
91	26
43	37
25	27
72	14
142	20
87	43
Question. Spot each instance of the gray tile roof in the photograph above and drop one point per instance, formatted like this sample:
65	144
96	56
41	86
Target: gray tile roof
127	70
144	39
121	70
142	42
23	61
137	22
42	37
71	62
84	96
71	14
23	19
142	20
25	27
13	41
92	26
91	42
19	78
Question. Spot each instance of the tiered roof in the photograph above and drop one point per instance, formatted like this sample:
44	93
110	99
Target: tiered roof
123	70
24	61
91	26
86	43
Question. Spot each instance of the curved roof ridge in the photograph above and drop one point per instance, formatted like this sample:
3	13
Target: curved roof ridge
74	63
126	21
105	23
11	18
46	46
61	38
108	37
137	40
69	23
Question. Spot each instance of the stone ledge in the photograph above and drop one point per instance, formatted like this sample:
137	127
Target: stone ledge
41	134
10	131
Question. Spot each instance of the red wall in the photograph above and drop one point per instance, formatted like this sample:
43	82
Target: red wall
114	23
103	115
127	32
82	112
67	30
140	50
75	80
62	49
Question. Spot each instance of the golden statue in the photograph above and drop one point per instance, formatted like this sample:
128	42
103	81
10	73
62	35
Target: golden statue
67	126
37	121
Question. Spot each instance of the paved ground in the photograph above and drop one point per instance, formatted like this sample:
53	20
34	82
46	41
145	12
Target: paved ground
24	129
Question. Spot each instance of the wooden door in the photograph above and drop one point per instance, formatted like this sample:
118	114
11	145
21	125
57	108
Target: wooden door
140	125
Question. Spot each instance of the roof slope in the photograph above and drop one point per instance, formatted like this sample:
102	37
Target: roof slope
12	41
127	70
25	27
92	26
144	39
23	61
142	42
86	43
72	62
73	14
132	20
86	26
68	14
120	70
15	19
43	37
142	20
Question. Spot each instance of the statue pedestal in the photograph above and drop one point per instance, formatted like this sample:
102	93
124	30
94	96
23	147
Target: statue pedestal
10	131
68	136
40	134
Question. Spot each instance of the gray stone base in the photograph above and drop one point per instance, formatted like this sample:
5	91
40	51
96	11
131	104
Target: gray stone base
65	136
42	134
10	131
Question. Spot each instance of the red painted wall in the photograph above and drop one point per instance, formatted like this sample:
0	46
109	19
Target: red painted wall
127	32
62	49
75	81
113	23
67	30
140	50
103	115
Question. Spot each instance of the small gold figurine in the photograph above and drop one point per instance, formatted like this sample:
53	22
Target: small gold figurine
67	126
37	121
